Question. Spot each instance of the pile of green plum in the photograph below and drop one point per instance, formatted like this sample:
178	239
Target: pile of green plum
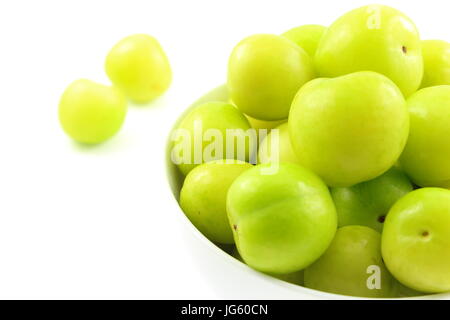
359	202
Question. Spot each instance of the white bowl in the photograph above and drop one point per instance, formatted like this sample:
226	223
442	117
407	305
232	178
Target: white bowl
230	278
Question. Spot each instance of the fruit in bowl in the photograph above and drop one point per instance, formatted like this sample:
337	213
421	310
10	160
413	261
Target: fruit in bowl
373	38
393	181
282	218
426	158
368	203
211	131
264	73
294	277
347	265
416	240
203	197
436	57
349	129
338	200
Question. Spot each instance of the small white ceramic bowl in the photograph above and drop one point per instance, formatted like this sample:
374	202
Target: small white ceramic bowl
230	278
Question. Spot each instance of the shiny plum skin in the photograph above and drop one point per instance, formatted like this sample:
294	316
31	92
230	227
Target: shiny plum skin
264	73
436	57
139	66
210	117
349	129
203	197
426	158
416	240
345	267
282	220
368	203
373	38
91	113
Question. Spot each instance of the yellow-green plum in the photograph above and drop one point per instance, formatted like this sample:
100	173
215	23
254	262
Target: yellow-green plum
352	265
277	147
212	131
306	36
426	158
436	57
416	240
264	73
283	219
294	277
373	38
90	112
349	129
203	197
138	65
368	203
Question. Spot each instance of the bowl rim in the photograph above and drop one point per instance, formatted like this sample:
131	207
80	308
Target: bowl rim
226	257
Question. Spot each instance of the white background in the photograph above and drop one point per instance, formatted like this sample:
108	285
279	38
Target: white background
78	222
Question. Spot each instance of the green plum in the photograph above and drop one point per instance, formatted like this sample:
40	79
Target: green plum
349	129
368	203
416	240
436	57
138	65
205	133
277	147
264	73
306	36
426	158
90	112
203	197
294	277
352	265
373	38
282	221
